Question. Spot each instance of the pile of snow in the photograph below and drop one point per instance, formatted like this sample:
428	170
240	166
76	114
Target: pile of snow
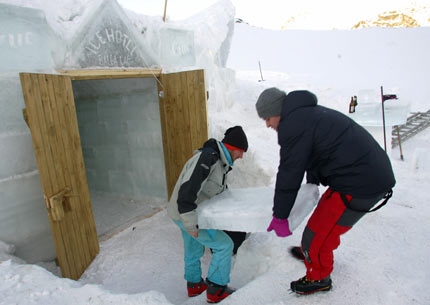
31	284
382	260
7	252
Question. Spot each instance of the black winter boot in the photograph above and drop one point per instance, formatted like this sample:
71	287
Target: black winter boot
305	286
297	253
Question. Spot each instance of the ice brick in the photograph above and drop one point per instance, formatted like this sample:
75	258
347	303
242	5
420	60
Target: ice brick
121	182
11	104
370	114
16	154
250	209
226	44
23	218
177	47
24	39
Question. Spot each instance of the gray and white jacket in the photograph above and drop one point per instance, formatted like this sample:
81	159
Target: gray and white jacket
202	177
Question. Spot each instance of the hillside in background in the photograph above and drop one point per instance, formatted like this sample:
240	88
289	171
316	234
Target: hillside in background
408	18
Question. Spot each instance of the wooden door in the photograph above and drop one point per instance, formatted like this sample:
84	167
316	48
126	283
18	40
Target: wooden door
184	123
51	115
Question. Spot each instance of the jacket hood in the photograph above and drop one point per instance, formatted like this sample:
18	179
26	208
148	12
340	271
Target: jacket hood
216	146
211	143
297	99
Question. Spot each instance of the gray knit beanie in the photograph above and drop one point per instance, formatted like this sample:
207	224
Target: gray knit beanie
270	102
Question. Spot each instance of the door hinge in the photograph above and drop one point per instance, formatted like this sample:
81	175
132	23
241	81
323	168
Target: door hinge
57	204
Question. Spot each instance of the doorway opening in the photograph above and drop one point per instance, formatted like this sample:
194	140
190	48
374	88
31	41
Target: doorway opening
121	139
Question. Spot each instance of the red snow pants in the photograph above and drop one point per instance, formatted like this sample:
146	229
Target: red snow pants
321	236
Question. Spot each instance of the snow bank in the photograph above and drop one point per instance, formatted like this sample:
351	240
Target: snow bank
25	284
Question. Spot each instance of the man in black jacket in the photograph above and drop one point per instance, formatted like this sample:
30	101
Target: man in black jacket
335	151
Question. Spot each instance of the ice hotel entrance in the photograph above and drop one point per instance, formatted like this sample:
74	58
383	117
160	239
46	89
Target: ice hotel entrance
109	145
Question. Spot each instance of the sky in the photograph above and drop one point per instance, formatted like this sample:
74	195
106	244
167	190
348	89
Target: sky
273	14
382	260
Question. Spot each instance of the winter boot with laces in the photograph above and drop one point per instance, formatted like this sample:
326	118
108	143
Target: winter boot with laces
216	293
194	289
305	286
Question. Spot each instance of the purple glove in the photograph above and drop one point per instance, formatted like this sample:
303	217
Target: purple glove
280	226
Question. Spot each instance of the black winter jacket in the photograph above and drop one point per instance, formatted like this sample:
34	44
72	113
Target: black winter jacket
331	148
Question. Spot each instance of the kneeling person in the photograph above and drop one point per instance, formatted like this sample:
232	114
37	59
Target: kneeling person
202	177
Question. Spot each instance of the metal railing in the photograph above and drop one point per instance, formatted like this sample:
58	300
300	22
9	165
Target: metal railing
417	122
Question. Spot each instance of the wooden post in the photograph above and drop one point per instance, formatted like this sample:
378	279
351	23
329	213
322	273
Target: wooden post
261	74
383	118
165	9
400	143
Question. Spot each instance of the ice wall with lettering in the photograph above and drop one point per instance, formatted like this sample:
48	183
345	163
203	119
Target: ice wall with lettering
107	39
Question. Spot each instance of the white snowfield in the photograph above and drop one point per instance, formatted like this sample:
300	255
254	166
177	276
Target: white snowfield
250	209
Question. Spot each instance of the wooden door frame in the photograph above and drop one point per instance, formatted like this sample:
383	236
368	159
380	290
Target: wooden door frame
183	118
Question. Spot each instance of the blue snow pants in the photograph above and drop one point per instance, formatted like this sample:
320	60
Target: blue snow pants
194	248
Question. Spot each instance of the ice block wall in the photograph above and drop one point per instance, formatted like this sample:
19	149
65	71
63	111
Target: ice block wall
176	47
202	41
24	39
24	46
119	125
368	113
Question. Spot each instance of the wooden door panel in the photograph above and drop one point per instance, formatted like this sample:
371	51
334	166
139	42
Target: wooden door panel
52	120
184	124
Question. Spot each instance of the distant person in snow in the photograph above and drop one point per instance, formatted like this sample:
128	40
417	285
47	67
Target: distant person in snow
335	151
204	176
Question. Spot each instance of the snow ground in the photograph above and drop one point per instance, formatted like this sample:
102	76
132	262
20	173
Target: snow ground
382	260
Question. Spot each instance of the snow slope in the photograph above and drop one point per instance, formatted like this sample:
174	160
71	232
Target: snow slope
382	260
